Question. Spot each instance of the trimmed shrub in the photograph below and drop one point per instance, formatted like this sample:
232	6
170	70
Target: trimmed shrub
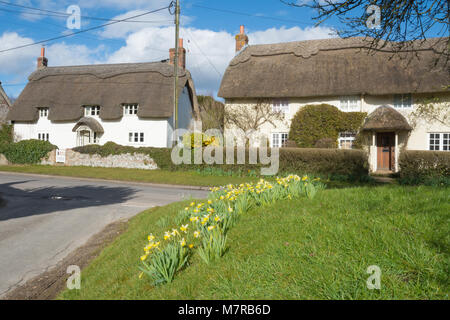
332	162
316	122
28	151
6	136
425	167
326	143
351	164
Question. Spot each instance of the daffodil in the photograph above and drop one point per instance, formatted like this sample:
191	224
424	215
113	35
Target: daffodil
151	237
196	234
230	209
191	246
183	242
167	235
184	228
144	257
211	228
217	218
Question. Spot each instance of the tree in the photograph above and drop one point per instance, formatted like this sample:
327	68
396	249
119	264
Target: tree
432	109
252	117
212	113
396	21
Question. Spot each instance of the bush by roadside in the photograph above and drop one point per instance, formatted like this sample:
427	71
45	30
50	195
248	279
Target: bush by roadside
27	151
425	167
345	164
6	136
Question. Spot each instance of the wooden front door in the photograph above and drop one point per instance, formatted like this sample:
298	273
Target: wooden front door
386	151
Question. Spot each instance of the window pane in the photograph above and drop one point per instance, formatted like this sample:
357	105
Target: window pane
130	137
142	137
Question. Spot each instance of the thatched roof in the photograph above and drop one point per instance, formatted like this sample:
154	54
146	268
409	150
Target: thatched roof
333	67
65	90
91	123
4	97
386	118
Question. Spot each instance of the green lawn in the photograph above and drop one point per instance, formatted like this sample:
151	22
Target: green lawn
299	249
135	175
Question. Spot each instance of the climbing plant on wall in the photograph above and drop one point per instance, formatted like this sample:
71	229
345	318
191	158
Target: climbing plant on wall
317	122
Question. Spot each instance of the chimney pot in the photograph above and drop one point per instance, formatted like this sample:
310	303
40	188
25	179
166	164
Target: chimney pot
181	55
42	61
241	39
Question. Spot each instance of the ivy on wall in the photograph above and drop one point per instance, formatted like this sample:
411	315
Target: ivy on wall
313	123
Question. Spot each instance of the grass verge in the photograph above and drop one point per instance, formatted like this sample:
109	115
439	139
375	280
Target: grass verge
299	249
190	178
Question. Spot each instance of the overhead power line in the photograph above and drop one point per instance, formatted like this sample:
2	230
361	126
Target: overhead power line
82	31
59	14
251	15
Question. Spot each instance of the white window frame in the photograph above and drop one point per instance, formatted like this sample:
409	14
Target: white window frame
346	137
350	103
91	111
43	136
406	97
43	112
280	105
280	137
130	109
443	137
139	136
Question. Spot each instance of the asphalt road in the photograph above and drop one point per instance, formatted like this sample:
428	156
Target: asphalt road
43	219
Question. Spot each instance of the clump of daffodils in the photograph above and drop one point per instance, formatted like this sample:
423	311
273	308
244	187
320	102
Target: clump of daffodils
207	223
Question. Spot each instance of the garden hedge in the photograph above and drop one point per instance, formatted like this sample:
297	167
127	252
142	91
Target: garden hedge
27	151
6	136
332	162
429	167
313	123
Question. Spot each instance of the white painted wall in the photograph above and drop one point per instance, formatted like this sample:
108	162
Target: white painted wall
157	132
418	139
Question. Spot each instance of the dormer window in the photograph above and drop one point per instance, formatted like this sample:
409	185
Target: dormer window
130	109
91	111
43	112
402	101
350	104
280	106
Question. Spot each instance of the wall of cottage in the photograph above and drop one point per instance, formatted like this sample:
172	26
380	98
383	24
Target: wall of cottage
416	140
157	132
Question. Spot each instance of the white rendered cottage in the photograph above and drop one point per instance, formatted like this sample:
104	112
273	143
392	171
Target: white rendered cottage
129	104
344	73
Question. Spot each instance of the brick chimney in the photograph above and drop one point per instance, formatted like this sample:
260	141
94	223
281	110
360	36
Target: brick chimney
241	39
181	55
42	61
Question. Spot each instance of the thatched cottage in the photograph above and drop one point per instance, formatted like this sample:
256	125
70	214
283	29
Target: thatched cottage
5	105
129	104
344	73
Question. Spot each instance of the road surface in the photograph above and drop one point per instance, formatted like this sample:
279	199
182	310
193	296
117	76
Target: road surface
43	219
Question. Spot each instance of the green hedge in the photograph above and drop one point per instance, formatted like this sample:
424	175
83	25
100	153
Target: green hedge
331	162
27	151
425	167
313	123
6	136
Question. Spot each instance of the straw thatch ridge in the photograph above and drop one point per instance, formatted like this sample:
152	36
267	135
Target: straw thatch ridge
65	90
386	118
91	123
332	67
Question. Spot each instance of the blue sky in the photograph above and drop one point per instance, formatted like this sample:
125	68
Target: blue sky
209	34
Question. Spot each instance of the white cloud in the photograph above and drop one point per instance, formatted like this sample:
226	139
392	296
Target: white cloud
152	44
20	63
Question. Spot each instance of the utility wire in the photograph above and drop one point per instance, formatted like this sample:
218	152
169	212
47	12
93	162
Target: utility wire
82	31
207	58
65	14
251	15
